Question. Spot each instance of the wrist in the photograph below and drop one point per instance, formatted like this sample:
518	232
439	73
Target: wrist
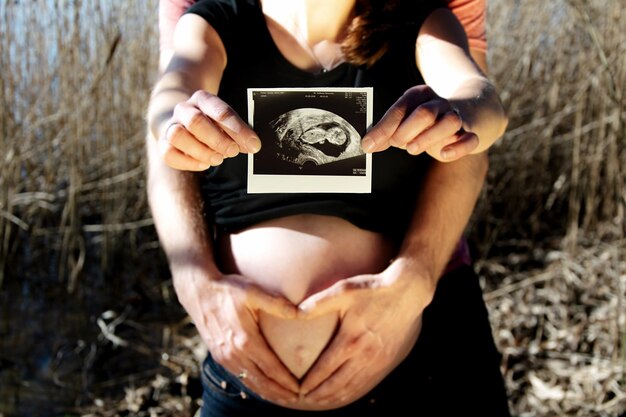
412	272
192	272
481	112
424	256
191	282
170	90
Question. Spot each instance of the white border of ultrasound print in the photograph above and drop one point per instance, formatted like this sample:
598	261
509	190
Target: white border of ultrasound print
263	183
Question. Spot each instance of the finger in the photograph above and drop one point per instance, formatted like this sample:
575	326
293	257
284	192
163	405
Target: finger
340	385
465	144
338	297
178	160
275	305
269	389
205	131
418	122
445	127
228	119
254	379
273	369
378	138
334	298
179	138
253	351
335	355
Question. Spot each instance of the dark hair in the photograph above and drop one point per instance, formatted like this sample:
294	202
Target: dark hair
374	26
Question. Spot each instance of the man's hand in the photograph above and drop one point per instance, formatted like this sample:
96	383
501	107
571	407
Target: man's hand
380	319
421	121
202	132
225	312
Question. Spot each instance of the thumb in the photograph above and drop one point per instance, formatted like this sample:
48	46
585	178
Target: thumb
332	299
272	304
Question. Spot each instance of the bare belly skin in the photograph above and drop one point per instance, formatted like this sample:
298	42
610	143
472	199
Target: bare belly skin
298	256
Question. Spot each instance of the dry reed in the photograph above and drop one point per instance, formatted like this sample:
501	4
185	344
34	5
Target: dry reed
76	76
548	232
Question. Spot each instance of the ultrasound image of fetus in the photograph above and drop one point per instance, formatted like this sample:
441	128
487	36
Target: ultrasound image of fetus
314	136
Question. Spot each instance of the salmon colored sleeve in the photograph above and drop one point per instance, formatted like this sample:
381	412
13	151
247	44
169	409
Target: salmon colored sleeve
169	13
472	15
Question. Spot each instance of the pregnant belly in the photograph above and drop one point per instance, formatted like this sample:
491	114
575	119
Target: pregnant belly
298	256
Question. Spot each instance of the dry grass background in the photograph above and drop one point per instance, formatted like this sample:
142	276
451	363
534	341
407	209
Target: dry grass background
89	324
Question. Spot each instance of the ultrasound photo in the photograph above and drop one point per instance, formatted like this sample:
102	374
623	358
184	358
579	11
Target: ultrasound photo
311	140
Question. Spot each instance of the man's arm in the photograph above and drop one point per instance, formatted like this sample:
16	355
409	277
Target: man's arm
459	95
444	59
224	308
463	179
388	305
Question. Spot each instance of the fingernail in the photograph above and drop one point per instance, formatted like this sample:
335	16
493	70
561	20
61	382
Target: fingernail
253	144
367	144
448	153
203	167
303	312
216	159
414	149
232	150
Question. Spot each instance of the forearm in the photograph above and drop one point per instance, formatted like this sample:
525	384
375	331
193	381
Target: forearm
192	58
177	210
446	63
444	207
173	195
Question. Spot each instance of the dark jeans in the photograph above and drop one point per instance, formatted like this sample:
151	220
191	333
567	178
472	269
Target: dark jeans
453	370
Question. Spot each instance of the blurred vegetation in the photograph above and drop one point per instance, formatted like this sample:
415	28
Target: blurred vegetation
89	324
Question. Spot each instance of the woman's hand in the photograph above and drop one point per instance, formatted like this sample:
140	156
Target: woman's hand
421	121
380	319
225	312
202	132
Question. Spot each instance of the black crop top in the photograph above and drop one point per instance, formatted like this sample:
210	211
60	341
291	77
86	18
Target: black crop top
253	60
